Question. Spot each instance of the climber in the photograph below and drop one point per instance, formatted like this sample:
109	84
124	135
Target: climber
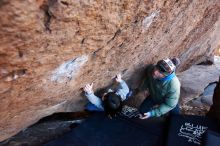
111	101
161	88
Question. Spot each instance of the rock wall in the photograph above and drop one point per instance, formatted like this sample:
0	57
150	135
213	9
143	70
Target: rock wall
49	49
197	87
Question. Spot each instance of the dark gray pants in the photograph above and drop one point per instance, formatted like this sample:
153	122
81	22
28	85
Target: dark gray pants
148	104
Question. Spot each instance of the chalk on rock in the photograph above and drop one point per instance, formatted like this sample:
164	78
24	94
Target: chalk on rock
69	69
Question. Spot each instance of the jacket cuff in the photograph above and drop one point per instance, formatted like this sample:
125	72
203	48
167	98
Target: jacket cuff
87	94
152	113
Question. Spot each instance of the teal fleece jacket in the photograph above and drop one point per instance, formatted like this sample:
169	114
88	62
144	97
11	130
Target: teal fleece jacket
165	93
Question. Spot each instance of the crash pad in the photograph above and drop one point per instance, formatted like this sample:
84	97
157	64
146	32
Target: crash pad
189	130
99	130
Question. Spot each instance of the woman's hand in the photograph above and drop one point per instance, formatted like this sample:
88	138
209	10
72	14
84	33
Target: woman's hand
145	115
88	88
118	78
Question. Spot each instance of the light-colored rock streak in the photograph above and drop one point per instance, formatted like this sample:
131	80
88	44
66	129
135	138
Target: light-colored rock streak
69	69
148	20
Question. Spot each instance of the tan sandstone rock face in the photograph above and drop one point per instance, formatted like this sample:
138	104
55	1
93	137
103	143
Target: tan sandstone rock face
49	49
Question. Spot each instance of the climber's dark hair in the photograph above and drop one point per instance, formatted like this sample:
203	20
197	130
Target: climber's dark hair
112	103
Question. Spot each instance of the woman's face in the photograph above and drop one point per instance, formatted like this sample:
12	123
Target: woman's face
156	74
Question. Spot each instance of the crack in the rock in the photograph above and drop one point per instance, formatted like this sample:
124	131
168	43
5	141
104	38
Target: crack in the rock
116	34
65	3
94	53
83	40
47	17
47	21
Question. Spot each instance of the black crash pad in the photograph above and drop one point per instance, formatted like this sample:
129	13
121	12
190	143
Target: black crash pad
188	130
212	138
99	130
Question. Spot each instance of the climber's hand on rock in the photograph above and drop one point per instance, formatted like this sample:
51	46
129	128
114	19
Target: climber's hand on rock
118	78
88	88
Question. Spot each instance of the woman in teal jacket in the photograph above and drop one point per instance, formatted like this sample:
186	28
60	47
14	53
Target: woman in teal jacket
164	90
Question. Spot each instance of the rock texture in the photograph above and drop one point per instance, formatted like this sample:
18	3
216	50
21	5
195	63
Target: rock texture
49	49
197	78
197	87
